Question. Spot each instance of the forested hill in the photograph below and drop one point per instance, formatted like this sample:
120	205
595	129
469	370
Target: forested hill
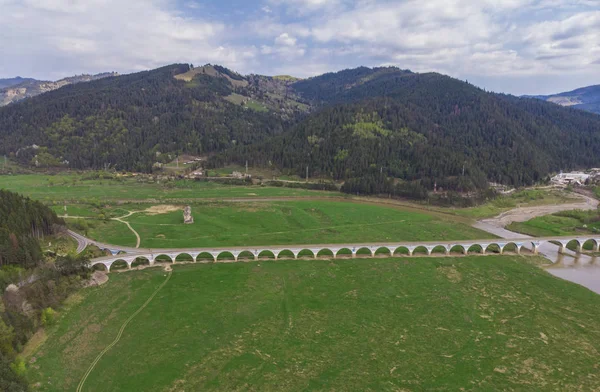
22	222
367	126
384	123
133	121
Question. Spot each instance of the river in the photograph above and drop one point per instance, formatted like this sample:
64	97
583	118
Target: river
578	268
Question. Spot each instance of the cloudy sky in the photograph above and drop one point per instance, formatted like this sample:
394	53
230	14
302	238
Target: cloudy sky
514	46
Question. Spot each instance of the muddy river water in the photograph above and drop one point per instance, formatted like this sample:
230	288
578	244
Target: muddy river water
578	268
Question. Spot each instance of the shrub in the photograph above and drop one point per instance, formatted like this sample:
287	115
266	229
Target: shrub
48	317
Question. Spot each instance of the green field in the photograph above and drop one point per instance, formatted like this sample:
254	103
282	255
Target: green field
74	187
447	324
286	222
564	223
522	198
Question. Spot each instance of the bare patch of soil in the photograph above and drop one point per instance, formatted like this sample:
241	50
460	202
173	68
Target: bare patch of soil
98	278
162	209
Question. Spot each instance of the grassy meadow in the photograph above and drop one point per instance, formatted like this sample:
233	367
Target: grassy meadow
446	324
520	198
76	187
564	223
275	223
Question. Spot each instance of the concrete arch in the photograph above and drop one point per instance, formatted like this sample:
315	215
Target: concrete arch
420	250
401	250
119	264
225	256
493	248
574	244
184	257
473	248
364	250
439	249
511	247
141	260
383	250
325	252
343	252
159	258
306	253
246	255
458	248
266	253
205	257
286	254
100	267
591	244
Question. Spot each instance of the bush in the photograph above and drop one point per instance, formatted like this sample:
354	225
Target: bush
48	317
18	367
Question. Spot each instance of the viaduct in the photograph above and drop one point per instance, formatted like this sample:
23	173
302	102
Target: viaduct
233	254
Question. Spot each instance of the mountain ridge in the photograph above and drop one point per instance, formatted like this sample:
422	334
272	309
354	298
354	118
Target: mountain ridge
372	128
584	98
17	89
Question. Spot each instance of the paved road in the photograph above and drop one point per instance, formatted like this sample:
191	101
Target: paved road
83	242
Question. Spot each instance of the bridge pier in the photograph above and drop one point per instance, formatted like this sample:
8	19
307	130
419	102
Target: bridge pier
596	246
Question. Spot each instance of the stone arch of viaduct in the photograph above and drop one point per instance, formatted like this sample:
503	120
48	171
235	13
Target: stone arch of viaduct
333	251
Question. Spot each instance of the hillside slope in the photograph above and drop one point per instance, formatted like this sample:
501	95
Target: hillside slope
377	124
26	88
370	127
13	81
132	121
585	98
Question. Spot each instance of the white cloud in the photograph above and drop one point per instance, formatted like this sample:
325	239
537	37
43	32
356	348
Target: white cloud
285	39
102	35
479	40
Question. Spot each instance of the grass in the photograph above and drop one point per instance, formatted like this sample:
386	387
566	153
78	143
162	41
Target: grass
75	188
474	323
274	223
564	223
523	198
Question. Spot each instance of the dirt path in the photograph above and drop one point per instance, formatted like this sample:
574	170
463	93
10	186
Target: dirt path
120	219
523	214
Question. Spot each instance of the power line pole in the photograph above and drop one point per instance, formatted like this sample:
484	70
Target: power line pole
306	173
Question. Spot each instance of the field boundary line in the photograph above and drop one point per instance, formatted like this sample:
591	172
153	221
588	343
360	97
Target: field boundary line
99	357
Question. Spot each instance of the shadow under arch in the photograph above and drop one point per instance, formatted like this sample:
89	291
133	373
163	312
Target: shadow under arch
141	260
401	251
306	253
266	254
420	251
119	264
205	257
343	252
574	244
439	249
510	247
285	254
475	248
383	250
246	255
325	252
184	257
458	249
590	244
225	256
100	267
363	251
163	258
492	248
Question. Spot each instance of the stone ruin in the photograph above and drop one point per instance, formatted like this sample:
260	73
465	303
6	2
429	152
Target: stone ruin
188	219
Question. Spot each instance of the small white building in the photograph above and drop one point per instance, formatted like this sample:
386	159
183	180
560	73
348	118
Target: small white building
570	178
